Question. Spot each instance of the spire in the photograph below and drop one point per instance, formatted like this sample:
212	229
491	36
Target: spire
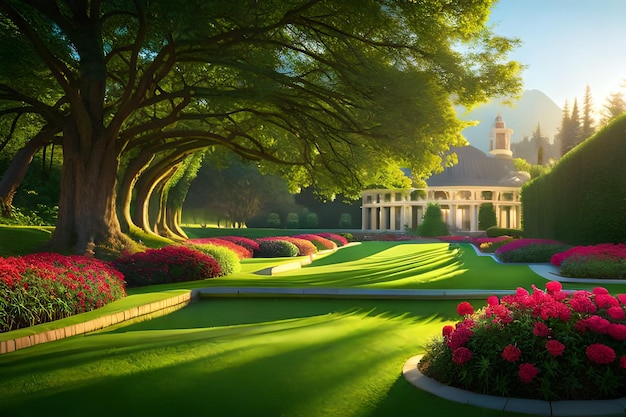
501	139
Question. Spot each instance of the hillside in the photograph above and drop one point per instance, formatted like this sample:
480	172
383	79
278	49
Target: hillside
534	107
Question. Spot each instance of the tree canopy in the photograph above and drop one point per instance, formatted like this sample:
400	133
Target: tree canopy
327	94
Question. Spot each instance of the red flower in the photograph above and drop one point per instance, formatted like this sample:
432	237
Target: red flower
616	313
511	353
461	355
493	300
447	330
582	304
541	329
527	372
600	354
617	331
555	347
622	362
621	298
554	287
460	336
596	324
605	300
464	308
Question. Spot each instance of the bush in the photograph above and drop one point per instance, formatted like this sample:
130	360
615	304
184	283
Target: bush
274	248
530	250
312	221
548	345
242	241
293	221
486	216
491	244
340	240
241	251
165	265
597	261
273	221
501	231
345	221
348	236
321	243
225	257
44	287
433	224
305	247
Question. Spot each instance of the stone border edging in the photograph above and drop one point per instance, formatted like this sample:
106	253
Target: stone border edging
161	307
518	405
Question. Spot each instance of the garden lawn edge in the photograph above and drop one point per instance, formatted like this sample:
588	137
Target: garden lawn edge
519	405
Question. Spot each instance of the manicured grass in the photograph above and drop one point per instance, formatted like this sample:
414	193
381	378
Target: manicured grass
22	240
232	357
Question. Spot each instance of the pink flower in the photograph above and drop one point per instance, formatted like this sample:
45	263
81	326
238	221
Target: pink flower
541	329
616	313
600	290
605	300
554	287
464	308
600	354
596	324
622	362
621	298
555	347
447	330
617	331
461	355
527	372
493	300
511	353
582	304
459	337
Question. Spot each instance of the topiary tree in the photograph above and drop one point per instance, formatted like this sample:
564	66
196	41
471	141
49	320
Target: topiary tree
345	221
312	221
273	220
433	224
486	216
293	221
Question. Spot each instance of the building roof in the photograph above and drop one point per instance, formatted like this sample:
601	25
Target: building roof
475	168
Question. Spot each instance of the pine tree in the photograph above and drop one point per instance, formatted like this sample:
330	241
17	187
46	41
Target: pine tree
614	106
563	136
588	127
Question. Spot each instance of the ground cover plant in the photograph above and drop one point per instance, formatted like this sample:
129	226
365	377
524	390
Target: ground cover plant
44	287
530	250
594	261
550	345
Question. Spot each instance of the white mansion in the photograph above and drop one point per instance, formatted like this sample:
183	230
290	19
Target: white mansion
459	190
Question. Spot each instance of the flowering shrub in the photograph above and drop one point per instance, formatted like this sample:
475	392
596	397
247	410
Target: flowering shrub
225	257
530	250
45	287
550	345
305	247
321	243
168	264
242	251
247	243
599	261
338	239
275	248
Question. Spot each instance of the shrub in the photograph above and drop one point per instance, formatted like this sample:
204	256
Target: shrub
273	221
241	251
548	345
275	248
311	221
293	221
433	224
597	261
491	244
305	247
44	287
530	250
225	257
345	221
501	231
165	265
340	240
486	216
242	241
321	243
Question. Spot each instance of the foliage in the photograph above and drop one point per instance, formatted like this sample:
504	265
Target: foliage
495	231
587	210
44	287
486	216
227	259
293	221
242	251
433	224
530	250
273	221
247	243
340	240
345	221
321	243
168	264
596	261
311	221
41	216
348	236
275	248
491	244
550	345
304	246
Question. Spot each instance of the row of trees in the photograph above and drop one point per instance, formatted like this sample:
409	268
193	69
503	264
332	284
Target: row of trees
331	95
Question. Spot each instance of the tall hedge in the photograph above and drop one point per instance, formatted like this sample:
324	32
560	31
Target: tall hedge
582	201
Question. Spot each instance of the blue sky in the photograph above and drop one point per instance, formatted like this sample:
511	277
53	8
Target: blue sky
566	45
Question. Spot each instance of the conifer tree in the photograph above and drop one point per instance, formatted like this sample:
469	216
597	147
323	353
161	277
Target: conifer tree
587	127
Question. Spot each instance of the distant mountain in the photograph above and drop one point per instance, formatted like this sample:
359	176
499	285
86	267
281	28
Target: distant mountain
534	107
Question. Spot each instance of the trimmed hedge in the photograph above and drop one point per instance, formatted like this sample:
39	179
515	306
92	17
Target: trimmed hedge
495	231
275	248
225	257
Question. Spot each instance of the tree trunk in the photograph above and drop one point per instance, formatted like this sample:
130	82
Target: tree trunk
133	171
146	185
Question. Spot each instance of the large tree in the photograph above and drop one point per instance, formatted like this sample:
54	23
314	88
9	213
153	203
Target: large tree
328	93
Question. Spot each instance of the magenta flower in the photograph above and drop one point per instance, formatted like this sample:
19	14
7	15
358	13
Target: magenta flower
616	313
461	355
464	309
493	300
600	353
617	331
527	372
554	287
447	330
555	347
511	353
622	362
540	329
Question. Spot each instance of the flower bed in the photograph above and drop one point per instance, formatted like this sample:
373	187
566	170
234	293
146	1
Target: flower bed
530	250
491	244
168	264
305	247
549	345
338	239
321	243
598	261
242	249
45	287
